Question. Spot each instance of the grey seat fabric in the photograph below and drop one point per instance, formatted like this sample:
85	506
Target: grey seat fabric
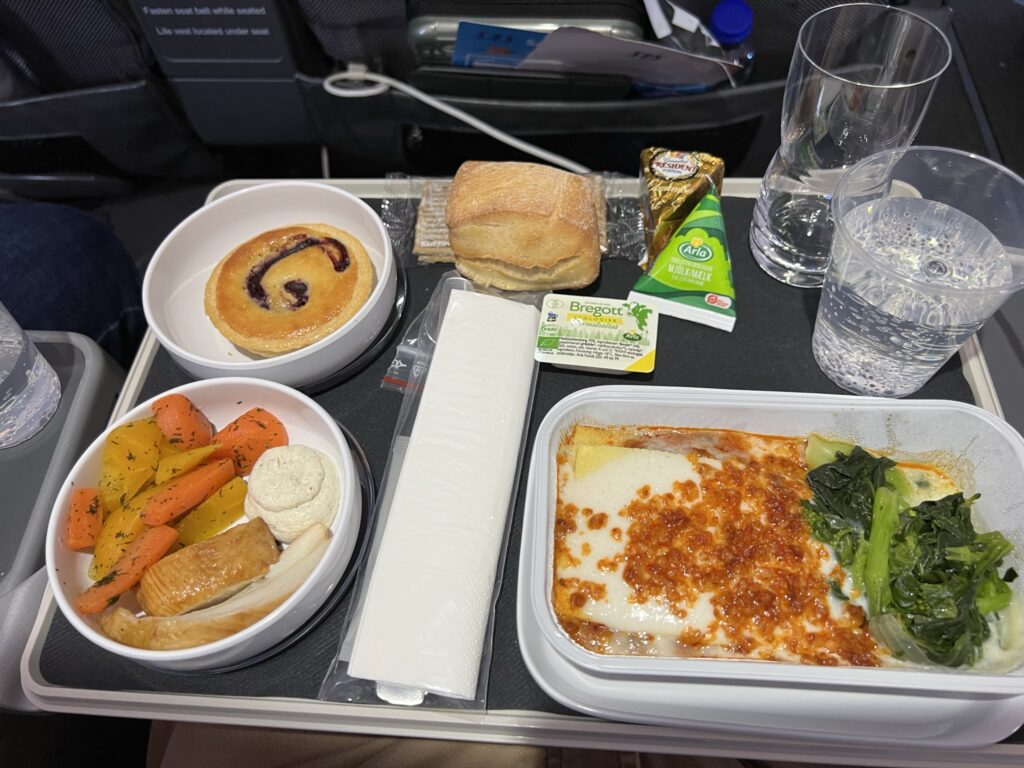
83	111
61	45
369	31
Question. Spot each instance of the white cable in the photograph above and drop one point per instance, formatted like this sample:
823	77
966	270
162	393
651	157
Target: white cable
359	73
325	162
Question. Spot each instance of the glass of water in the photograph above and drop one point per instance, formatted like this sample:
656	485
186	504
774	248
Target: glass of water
29	387
929	243
859	83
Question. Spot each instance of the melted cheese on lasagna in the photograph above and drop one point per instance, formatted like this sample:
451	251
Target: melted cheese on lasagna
684	542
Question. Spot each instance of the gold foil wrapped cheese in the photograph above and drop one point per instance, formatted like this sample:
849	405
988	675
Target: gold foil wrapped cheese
673	183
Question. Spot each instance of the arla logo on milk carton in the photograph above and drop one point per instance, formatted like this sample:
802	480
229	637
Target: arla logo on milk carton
696	250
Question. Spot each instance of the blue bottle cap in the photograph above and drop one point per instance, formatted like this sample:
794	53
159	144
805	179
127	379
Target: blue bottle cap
731	21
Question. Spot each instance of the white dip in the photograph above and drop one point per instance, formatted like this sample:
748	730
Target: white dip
291	488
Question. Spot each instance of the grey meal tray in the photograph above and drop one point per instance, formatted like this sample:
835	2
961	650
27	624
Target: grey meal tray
768	350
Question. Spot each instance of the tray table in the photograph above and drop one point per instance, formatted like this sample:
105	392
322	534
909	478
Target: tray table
770	349
31	475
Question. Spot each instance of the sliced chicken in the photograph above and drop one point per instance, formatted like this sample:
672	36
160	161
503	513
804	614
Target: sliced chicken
247	607
209	571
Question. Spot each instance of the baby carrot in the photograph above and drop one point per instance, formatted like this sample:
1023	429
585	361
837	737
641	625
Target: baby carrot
246	438
85	518
178	496
146	549
181	422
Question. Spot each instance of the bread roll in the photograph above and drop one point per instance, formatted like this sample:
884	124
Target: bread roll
523	227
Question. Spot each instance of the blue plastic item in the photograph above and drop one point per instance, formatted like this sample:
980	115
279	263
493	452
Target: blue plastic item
731	22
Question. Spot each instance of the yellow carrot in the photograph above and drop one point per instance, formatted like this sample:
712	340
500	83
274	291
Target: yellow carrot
180	463
214	515
128	463
120	528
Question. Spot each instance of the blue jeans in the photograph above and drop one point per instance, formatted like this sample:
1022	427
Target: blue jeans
63	270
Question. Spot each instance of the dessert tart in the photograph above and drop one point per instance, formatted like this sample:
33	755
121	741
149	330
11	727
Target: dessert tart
287	288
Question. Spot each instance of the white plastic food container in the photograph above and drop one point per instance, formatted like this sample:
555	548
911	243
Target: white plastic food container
981	452
222	400
173	289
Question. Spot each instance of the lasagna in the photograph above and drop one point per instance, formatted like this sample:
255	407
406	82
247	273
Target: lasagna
692	543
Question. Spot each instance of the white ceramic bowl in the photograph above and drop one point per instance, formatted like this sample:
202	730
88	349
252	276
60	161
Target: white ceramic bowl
221	400
172	291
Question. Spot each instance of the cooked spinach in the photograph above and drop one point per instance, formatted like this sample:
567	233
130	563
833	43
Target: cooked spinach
885	518
926	566
844	493
945	580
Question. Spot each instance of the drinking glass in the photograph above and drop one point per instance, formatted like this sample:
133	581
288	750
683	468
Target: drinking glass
929	242
859	83
29	387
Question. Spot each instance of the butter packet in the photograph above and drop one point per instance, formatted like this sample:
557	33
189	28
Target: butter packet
692	276
586	333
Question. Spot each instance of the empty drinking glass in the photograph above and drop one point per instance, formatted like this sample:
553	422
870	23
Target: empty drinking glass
859	83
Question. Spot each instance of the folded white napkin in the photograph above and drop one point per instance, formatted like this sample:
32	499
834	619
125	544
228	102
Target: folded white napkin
429	597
